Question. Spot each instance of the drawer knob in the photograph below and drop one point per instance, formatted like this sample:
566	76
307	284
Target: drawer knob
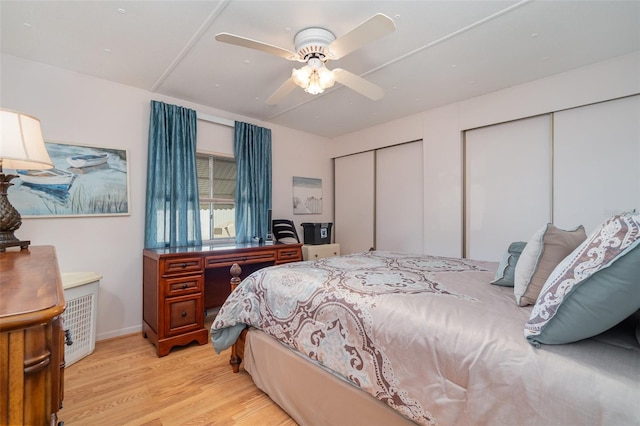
184	265
184	285
68	339
184	314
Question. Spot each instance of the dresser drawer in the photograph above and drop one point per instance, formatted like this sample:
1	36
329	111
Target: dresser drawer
313	252
181	265
179	286
183	314
289	254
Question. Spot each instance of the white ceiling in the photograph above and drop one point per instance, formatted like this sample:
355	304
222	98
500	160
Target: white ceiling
441	51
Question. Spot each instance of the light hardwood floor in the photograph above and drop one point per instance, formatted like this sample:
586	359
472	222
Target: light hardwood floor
123	382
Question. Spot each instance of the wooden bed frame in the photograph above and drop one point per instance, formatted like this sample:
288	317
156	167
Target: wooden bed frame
237	350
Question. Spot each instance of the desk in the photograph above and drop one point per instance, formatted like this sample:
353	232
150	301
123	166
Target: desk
180	283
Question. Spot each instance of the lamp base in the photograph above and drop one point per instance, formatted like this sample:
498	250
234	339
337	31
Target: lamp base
14	243
10	219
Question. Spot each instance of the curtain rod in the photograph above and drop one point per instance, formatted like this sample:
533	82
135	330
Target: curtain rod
216	120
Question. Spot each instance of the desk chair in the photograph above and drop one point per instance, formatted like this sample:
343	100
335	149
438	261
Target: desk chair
284	231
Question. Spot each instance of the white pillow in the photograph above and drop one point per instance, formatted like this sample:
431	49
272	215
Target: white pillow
527	263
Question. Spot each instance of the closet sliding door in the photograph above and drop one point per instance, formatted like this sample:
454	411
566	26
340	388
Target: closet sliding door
379	200
597	162
354	180
400	198
507	185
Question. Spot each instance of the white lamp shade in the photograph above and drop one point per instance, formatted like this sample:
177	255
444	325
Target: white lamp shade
301	76
326	77
21	142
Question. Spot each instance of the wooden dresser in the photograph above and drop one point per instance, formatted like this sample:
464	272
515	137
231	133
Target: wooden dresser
31	337
180	283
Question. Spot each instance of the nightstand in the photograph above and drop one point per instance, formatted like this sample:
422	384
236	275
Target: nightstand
319	251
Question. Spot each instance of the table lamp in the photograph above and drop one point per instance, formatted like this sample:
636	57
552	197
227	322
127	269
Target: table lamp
21	147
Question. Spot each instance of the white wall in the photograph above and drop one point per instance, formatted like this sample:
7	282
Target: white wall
80	109
441	130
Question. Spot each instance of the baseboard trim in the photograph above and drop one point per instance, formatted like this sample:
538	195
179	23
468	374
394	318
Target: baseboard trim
119	333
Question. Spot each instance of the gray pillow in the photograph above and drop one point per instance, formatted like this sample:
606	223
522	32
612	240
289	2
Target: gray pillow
596	287
506	269
543	252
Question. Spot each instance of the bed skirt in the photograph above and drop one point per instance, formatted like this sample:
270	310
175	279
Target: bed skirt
309	394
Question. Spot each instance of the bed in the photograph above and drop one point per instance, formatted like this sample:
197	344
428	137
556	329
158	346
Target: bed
392	338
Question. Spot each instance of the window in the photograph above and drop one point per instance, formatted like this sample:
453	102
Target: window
217	192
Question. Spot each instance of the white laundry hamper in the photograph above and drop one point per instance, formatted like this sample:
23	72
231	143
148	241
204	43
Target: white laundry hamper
80	315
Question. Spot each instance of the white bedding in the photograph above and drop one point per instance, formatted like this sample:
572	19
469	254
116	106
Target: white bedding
431	338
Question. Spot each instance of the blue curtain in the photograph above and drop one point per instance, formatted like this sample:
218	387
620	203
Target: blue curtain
172	212
252	150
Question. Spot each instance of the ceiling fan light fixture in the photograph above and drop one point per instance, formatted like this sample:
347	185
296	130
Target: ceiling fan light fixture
314	80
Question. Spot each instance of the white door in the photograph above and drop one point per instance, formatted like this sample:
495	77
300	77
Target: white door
399	198
354	202
597	162
507	185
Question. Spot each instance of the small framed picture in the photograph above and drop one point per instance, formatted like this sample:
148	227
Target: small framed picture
307	195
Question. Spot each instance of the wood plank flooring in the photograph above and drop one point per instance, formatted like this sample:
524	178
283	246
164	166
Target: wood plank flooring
123	382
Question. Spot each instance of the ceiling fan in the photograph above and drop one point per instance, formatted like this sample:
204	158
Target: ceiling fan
315	47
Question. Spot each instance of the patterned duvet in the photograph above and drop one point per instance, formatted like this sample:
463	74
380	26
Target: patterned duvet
430	337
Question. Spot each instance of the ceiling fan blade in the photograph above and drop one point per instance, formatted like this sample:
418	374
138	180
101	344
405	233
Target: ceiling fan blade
282	92
379	25
359	84
257	45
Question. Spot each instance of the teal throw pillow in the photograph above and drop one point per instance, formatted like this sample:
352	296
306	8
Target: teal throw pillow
507	267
